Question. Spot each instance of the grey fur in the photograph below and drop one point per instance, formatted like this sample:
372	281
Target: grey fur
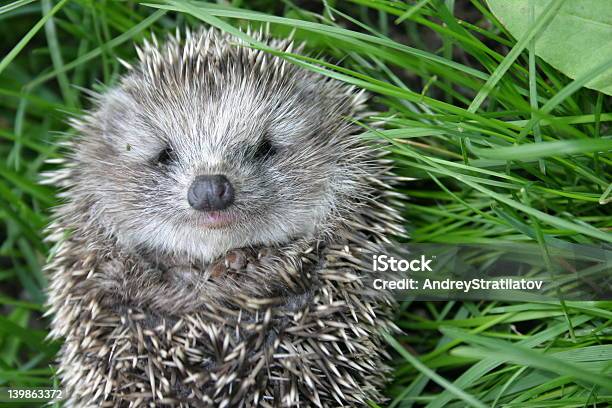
158	308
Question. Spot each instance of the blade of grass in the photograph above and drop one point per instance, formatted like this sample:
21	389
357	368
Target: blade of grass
458	392
564	93
31	33
120	39
209	13
411	11
528	152
56	56
14	5
503	351
533	89
479	369
517	49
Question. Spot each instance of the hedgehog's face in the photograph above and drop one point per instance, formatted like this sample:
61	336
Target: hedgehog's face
199	166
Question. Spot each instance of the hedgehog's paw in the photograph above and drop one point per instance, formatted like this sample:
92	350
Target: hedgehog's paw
235	260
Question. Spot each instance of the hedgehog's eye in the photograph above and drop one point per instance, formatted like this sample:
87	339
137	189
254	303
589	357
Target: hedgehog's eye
264	149
165	157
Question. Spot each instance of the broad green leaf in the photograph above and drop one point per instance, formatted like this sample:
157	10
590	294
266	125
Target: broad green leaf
578	39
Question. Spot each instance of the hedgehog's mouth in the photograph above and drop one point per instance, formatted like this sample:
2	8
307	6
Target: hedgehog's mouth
215	219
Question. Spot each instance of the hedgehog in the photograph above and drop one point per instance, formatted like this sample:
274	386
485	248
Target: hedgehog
216	206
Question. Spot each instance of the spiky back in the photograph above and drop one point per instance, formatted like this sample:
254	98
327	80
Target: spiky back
205	54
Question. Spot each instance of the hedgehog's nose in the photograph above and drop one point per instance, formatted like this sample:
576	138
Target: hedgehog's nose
208	193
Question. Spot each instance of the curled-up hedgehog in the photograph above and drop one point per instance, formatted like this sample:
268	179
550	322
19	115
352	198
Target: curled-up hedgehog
216	204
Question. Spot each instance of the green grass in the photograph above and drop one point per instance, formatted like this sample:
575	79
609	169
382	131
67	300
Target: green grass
504	148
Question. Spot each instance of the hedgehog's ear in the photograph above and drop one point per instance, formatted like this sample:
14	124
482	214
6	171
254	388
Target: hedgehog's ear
116	112
325	93
310	91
